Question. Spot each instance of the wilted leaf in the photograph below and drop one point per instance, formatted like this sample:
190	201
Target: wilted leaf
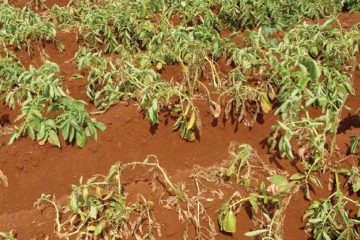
356	186
229	222
93	212
214	108
297	176
255	233
254	205
85	193
265	103
53	138
80	139
313	68
278	180
191	121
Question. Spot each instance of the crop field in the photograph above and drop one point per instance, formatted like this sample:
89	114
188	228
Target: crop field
180	119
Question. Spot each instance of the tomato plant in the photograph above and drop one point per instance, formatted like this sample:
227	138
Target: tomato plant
21	27
330	218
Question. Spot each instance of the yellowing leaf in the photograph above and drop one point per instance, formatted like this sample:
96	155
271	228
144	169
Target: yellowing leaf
191	121
254	205
98	192
265	104
85	193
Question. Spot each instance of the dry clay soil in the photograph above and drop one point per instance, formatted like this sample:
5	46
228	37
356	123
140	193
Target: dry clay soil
33	169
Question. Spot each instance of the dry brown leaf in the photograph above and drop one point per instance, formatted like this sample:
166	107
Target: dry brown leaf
215	108
4	179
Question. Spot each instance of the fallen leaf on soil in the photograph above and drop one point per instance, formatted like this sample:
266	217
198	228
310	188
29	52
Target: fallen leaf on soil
4	179
215	109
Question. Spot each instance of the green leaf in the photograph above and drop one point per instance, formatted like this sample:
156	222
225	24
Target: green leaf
297	176
288	148
255	233
316	181
91	131
177	124
356	186
230	171
344	171
316	220
53	138
229	222
152	111
354	143
71	135
283	126
112	173
30	132
99	228
159	66
13	138
314	52
254	205
41	133
73	205
152	116
313	68
93	212
326	236
100	126
65	129
278	180
80	139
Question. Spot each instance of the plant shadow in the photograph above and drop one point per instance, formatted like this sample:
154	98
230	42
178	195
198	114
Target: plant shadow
348	122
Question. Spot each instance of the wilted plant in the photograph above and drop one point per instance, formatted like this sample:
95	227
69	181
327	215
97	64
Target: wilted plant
241	156
330	218
309	131
353	178
304	180
247	14
21	27
355	140
269	202
8	235
98	208
351	5
245	100
109	83
37	5
264	73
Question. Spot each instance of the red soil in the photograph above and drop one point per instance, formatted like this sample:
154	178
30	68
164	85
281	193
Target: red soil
33	169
